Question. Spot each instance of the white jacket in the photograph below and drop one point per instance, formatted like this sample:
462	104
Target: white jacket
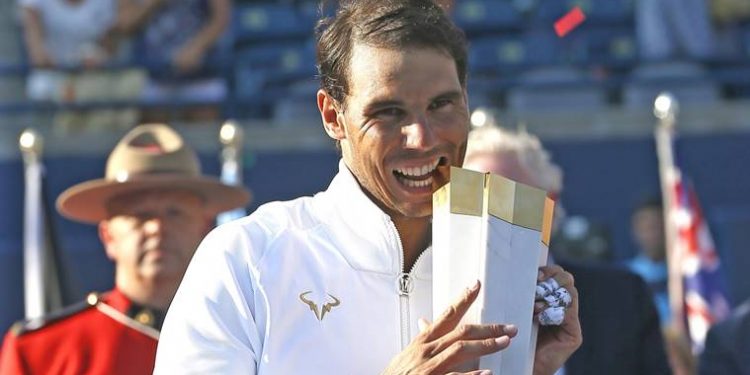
309	286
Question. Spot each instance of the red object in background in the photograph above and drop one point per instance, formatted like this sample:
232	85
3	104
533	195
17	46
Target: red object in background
704	292
569	21
82	340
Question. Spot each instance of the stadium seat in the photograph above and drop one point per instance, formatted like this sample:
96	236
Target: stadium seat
502	54
298	107
607	12
596	11
496	54
556	89
544	48
547	12
479	16
271	21
615	47
263	67
746	42
688	82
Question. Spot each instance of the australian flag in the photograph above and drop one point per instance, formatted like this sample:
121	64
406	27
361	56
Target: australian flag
705	297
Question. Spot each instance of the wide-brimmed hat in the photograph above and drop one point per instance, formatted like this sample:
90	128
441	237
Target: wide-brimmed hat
150	156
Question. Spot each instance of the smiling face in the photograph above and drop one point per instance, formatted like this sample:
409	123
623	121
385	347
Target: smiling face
405	114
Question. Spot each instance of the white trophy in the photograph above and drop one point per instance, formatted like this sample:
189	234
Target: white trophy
489	228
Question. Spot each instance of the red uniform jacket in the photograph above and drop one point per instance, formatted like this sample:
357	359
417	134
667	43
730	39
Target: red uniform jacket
107	335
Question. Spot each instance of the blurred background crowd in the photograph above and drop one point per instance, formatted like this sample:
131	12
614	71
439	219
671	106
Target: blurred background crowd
83	72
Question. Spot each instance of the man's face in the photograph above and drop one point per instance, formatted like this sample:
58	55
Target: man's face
152	235
648	230
406	113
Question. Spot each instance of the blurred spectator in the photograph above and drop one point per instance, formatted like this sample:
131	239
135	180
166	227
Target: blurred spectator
647	223
673	29
175	39
152	208
730	11
67	43
730	18
727	350
632	345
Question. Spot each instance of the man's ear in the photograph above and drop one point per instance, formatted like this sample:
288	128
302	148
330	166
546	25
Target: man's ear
330	115
106	237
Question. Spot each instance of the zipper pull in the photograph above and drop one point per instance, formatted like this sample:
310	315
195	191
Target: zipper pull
405	286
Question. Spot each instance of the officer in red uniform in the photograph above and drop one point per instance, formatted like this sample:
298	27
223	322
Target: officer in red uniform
152	208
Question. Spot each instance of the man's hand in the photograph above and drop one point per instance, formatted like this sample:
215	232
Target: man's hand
40	58
556	343
188	58
445	344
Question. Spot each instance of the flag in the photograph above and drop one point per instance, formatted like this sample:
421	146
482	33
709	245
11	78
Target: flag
46	283
704	292
231	135
33	239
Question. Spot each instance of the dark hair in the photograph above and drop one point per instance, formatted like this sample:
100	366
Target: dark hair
652	202
396	24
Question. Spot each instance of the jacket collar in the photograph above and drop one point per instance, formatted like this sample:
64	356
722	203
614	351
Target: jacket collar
142	314
371	237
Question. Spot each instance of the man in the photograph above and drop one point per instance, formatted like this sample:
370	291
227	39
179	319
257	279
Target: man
647	223
153	207
727	350
178	39
619	322
336	283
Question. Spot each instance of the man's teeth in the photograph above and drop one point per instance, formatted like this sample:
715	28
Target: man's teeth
421	183
418	171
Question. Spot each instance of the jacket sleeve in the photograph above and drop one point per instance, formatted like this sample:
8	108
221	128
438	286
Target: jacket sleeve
210	327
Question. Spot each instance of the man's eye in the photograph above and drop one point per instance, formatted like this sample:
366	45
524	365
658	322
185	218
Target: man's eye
389	113
175	212
440	103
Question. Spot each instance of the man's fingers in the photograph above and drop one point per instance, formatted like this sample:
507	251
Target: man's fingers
479	332
476	372
464	350
562	298
555	293
562	278
450	318
552	316
539	306
569	303
423	325
474	332
546	287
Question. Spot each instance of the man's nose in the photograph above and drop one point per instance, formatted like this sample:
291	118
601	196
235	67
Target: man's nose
154	225
419	134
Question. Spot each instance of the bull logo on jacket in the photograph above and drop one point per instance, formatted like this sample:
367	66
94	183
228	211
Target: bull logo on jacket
319	314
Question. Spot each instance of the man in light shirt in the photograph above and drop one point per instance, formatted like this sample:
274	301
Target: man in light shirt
337	283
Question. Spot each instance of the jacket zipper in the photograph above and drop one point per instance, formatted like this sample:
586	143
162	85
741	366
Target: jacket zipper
404	287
